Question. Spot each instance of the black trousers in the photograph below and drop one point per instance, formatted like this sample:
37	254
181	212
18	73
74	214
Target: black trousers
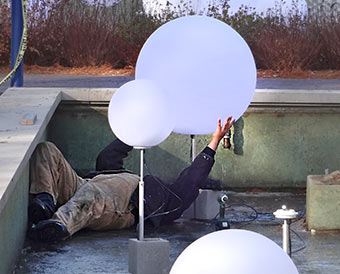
163	202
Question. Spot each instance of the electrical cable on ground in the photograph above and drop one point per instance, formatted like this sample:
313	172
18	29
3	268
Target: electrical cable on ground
300	238
241	205
259	213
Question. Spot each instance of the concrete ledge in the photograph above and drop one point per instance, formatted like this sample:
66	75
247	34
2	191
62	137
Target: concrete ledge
323	201
298	97
88	94
17	143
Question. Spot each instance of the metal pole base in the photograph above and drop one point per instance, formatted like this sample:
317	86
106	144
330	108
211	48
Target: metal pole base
149	256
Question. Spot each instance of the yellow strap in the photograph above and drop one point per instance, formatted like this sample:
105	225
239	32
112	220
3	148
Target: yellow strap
23	43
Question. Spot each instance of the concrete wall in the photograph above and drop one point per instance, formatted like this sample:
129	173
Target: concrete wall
17	143
283	137
13	220
272	146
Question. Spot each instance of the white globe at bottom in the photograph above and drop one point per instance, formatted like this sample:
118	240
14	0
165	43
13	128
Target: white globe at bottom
233	251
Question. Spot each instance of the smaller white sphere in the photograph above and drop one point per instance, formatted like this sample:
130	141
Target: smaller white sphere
140	114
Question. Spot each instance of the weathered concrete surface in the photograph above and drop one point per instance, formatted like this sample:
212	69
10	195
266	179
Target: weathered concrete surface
107	252
323	201
13	229
17	143
297	144
273	147
15	138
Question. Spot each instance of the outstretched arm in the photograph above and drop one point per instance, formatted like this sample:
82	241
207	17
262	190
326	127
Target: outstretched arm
220	132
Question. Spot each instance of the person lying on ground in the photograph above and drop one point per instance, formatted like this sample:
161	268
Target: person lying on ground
62	203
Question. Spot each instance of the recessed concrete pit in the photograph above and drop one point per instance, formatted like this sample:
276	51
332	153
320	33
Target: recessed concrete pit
285	137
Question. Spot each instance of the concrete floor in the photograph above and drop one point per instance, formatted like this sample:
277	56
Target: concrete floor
107	252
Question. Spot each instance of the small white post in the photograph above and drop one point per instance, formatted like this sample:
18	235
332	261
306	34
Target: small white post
141	198
286	215
286	237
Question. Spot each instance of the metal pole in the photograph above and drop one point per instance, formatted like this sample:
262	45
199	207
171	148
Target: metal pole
17	29
286	237
193	147
141	198
286	215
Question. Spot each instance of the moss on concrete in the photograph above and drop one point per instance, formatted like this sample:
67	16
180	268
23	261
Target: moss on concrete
274	148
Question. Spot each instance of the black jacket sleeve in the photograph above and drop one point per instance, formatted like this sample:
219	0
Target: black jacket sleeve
111	157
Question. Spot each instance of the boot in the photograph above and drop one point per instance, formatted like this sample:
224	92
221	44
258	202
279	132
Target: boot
41	207
48	231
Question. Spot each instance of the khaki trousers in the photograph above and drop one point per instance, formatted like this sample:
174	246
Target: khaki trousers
100	203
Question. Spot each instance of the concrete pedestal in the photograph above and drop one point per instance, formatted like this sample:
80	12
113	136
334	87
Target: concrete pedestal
205	206
150	256
323	201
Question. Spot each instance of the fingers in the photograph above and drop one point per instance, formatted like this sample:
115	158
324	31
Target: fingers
223	129
228	123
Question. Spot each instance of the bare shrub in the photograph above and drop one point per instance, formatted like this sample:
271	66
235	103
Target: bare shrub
330	50
73	34
43	33
281	46
5	33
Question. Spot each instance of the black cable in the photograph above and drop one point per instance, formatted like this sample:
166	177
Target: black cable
300	238
164	188
241	205
258	213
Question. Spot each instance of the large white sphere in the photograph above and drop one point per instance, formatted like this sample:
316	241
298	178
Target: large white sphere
233	251
205	67
140	114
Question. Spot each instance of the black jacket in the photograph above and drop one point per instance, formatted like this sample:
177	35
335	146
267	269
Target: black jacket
163	203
